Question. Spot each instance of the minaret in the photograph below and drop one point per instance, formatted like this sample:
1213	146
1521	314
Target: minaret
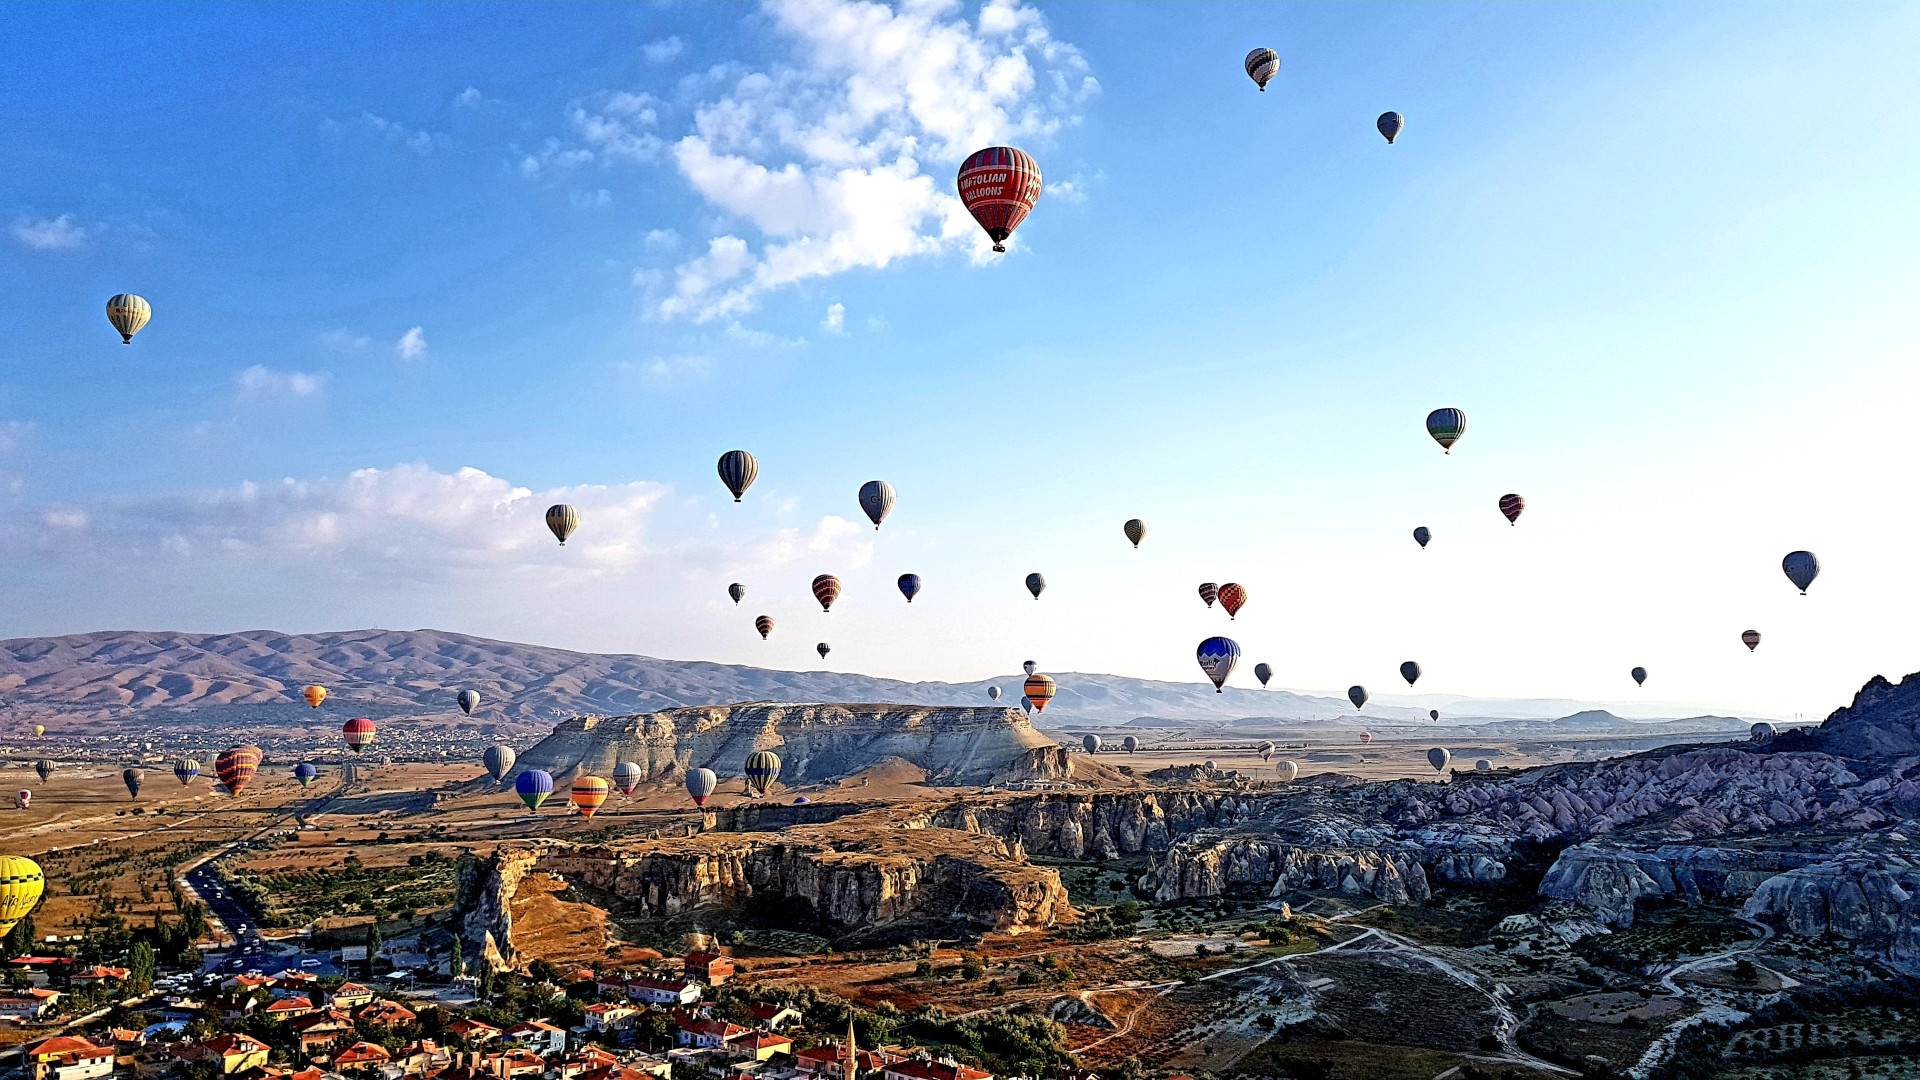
853	1051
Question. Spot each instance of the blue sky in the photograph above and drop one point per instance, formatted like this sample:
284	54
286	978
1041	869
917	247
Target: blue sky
418	271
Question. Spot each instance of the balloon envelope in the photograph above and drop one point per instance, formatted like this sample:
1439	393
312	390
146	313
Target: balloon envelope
533	786
1751	638
499	761
305	772
1136	530
1288	771
823	649
132	778
39	730
1262	65
1639	676
185	769
1217	657
562	520
1801	568
314	695
1092	743
626	777
999	186
762	769
21	884
236	765
737	471
1410	671
1762	731
44	768
1438	757
1038	691
587	795
909	586
993	693
1036	585
826	589
1421	535
1265	751
1433	714
1209	592
1232	596
1357	695
22	799
1511	505
1446	426
876	498
468	700
1029	665
736	590
1483	765
1130	743
1366	737
764	625
1263	672
700	784
358	733
128	313
1390	125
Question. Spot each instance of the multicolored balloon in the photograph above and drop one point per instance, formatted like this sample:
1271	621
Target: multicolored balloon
1410	671
562	519
876	499
1801	568
1028	666
314	695
21	883
1217	656
1390	125
1265	750
1136	530
1039	690
358	733
1421	535
909	586
22	799
1263	672
736	590
826	589
1262	65
1036	585
999	186
468	700
588	793
764	624
235	767
1511	505
626	777
1357	695
1447	426
185	769
1366	737
762	769
304	773
1639	676
700	785
533	787
1232	597
128	313
738	470
499	760
1751	638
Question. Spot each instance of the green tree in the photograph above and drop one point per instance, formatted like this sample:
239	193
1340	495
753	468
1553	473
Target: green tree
486	981
972	967
19	940
140	968
373	946
458	965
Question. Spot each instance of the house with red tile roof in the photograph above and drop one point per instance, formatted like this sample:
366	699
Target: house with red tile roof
927	1069
349	996
538	1036
385	1013
288	1008
229	1053
831	1060
97	974
321	1030
68	1057
761	1045
710	968
245	984
422	1058
772	1015
361	1056
31	1004
473	1030
517	1061
663	990
709	1034
606	1017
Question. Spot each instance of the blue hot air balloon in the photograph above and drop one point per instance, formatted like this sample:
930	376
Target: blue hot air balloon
1217	656
1421	535
305	772
1801	568
909	586
533	787
1391	124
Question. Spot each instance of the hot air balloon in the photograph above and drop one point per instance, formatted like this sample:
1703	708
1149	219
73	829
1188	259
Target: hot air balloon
1209	592
762	769
1421	535
1438	757
1091	742
1217	656
1232	597
1410	671
736	590
22	799
1357	695
305	772
764	624
1210	766
1263	672
1029	665
128	313
499	761
801	800
185	769
562	519
39	730
533	787
314	695
358	733
1036	585
823	649
909	586
468	700
44	768
993	693
1287	771
626	777
1801	568
1751	638
876	498
1262	65
1390	124
20	886
587	795
826	589
1366	737
132	778
1483	765
1039	690
1130	743
1136	530
700	784
1265	751
1762	731
999	186
1433	714
1026	706
1511	505
235	766
737	470
1446	426
1639	676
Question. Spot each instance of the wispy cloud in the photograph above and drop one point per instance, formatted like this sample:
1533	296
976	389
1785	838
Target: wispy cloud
345	340
49	234
469	98
590	200
662	240
260	383
836	320
664	50
418	140
412	344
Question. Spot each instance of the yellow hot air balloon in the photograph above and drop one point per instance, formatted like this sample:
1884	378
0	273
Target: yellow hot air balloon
128	313
20	886
315	695
39	730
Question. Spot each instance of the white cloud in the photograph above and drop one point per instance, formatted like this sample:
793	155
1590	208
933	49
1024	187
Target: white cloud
68	520
659	52
590	200
412	344
258	383
468	99
419	141
49	234
662	240
823	157
836	320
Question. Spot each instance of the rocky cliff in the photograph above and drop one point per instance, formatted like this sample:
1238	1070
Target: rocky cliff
970	746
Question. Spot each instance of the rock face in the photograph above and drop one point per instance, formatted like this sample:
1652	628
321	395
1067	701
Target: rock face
484	897
973	746
1872	903
1609	881
1210	865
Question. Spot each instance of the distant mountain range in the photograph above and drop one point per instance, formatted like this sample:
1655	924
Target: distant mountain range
257	675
